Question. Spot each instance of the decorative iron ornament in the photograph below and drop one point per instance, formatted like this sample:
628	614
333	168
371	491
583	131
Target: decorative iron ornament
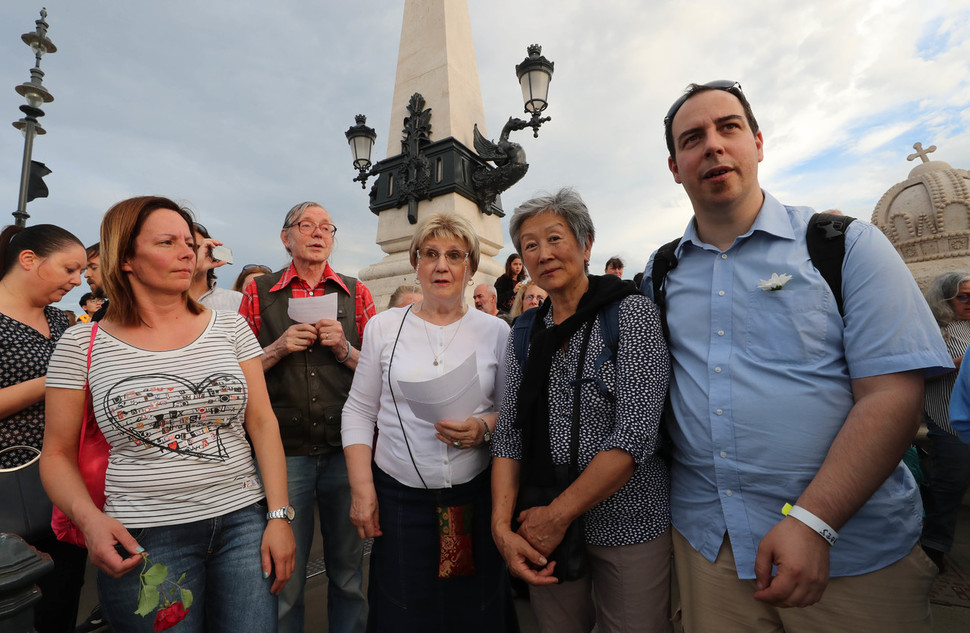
509	158
413	178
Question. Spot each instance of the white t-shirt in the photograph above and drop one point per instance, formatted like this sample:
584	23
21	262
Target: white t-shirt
174	421
370	402
216	298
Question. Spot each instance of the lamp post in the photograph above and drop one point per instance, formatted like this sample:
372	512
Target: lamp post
408	178
36	95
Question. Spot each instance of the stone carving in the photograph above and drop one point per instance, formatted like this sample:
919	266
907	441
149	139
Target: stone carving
927	216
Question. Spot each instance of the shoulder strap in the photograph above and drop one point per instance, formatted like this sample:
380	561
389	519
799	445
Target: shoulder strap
521	334
825	237
663	262
610	331
577	385
88	415
94	332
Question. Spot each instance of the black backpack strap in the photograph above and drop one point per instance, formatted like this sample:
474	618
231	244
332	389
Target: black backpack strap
663	262
610	331
825	237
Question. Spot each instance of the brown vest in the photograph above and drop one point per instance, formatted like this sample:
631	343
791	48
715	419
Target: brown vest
307	389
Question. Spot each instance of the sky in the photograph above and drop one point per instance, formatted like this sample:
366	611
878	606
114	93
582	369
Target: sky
238	109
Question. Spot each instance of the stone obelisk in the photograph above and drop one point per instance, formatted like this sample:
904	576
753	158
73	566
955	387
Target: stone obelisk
436	58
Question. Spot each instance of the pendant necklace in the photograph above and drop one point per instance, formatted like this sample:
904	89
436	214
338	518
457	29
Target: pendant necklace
439	354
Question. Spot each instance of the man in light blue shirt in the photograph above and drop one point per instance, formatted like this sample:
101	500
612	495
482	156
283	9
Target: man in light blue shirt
777	399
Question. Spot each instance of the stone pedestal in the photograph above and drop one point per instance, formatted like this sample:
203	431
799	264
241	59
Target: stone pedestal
436	59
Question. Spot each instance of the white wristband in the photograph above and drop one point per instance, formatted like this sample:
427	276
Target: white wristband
821	527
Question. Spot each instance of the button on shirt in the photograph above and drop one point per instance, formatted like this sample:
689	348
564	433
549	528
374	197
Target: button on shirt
762	382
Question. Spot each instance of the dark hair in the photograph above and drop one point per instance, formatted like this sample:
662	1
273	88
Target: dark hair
42	239
508	268
119	229
210	275
614	262
695	89
87	296
93	251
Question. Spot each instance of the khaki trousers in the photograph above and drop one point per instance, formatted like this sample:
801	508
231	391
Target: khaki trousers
890	600
627	589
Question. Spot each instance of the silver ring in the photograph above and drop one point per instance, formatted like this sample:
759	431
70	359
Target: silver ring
328	336
457	443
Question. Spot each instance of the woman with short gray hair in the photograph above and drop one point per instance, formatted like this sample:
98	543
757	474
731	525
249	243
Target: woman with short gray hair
583	505
949	299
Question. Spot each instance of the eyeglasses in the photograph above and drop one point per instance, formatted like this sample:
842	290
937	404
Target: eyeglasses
453	256
309	228
538	298
249	267
962	298
726	85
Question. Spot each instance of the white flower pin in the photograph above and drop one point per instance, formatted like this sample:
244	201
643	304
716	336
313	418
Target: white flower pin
777	282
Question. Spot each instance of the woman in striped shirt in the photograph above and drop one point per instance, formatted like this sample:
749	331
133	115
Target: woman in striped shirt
176	389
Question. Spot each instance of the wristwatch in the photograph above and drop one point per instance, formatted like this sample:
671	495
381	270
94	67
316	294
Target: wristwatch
286	512
488	434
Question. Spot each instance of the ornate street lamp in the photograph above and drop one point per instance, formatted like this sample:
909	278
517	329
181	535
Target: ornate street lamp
535	73
36	95
407	178
361	139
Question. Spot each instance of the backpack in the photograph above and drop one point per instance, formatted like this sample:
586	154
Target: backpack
825	237
609	318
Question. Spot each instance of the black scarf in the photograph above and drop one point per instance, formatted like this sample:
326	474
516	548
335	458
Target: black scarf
532	414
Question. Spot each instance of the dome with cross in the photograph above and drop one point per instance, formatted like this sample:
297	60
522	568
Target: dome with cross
927	217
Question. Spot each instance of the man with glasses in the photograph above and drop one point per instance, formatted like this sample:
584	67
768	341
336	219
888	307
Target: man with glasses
309	368
788	421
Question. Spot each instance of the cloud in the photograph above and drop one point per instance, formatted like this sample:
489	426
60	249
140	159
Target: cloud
239	108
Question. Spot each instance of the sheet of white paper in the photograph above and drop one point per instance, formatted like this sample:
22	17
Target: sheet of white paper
312	309
452	396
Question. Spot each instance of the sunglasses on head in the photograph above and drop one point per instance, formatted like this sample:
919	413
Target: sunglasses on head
726	85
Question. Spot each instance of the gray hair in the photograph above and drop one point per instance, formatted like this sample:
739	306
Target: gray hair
565	203
293	214
400	292
489	289
941	291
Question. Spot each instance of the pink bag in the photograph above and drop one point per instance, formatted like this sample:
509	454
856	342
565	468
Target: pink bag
92	460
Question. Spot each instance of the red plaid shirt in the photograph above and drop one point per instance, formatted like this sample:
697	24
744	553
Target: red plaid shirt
363	301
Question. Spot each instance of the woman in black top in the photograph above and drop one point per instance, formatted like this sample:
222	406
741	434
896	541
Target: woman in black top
38	266
508	284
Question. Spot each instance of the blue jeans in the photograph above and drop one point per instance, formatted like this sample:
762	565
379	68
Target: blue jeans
948	481
221	561
324	478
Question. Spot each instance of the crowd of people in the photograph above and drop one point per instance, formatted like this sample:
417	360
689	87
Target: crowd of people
737	416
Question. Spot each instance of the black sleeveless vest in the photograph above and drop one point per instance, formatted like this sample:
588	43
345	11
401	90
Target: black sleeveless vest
307	389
